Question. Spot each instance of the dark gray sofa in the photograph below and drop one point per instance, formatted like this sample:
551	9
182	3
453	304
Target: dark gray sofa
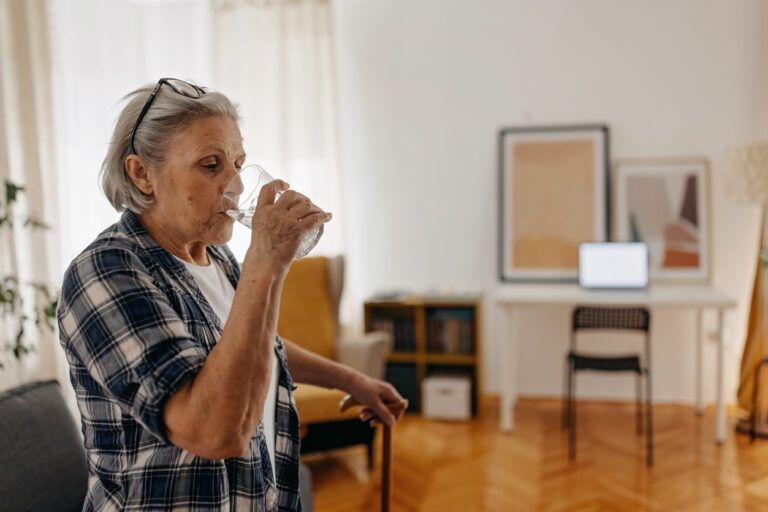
42	459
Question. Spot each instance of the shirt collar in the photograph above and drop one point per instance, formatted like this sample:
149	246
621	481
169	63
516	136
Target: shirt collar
131	225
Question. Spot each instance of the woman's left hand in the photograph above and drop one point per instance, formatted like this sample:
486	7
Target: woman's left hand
374	394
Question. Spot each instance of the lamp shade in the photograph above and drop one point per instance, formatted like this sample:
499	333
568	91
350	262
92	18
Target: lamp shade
749	172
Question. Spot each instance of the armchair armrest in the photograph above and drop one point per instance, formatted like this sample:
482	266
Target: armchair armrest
367	354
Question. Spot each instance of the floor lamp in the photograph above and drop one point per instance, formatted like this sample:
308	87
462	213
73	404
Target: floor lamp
750	172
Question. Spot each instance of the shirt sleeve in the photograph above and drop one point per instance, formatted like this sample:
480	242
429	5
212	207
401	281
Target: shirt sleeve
122	327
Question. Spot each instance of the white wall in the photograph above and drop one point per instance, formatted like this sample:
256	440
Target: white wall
426	84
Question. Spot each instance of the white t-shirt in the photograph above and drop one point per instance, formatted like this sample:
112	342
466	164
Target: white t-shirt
219	293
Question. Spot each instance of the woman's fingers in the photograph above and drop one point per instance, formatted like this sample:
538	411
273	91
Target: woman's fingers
290	198
301	208
383	414
378	396
303	212
299	205
269	191
366	414
390	394
280	223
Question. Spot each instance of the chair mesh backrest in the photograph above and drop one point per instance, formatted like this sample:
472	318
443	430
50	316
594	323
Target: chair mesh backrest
635	319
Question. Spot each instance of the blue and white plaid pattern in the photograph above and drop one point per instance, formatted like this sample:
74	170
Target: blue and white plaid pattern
135	327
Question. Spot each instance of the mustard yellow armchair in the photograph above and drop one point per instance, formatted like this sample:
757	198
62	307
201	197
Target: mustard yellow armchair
309	317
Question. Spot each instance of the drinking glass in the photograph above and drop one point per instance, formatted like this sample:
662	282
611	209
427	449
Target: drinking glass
243	191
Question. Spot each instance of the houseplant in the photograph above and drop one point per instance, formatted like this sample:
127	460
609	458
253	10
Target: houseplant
23	304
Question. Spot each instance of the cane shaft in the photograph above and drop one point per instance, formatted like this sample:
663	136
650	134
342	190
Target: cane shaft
397	409
386	470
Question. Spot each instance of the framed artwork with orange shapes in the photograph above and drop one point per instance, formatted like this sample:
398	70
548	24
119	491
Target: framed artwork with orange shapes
665	204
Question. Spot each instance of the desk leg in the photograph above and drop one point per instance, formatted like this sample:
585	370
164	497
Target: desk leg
699	364
720	411
507	367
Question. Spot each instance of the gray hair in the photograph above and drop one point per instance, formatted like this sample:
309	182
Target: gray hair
169	113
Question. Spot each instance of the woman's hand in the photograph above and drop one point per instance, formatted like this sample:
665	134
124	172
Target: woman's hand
279	226
374	394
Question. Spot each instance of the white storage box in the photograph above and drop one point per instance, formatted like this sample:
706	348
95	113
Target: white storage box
446	397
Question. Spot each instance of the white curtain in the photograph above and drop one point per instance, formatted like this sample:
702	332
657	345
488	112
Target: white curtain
276	60
26	159
102	50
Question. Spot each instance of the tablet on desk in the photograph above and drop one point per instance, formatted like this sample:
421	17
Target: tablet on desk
613	265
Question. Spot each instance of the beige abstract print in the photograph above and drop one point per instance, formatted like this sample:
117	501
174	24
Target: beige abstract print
553	197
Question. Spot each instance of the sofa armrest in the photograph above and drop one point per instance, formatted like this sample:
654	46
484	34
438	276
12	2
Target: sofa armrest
367	354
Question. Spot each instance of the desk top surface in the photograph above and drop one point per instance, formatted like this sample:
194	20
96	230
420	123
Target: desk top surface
570	294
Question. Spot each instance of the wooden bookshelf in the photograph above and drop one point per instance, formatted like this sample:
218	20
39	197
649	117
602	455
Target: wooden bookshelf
432	335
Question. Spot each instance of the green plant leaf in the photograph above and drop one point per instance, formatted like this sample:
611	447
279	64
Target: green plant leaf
19	349
11	298
50	313
11	192
9	295
35	223
41	288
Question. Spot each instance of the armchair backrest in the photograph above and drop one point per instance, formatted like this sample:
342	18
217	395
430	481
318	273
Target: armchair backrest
309	305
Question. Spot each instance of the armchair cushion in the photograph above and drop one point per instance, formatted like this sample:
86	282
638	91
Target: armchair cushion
367	354
317	405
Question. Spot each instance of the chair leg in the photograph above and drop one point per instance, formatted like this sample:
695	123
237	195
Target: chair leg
566	394
369	445
638	404
649	418
572	415
755	389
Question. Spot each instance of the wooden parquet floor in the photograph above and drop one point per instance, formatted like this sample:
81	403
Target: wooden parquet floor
471	466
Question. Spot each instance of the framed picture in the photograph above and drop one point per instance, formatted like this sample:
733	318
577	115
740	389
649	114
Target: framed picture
553	195
665	203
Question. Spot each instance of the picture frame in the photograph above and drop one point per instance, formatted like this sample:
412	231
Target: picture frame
665	203
554	193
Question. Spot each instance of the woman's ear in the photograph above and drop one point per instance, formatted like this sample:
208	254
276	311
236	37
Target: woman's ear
139	174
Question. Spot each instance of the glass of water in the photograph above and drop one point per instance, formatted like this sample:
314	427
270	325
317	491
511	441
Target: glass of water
243	191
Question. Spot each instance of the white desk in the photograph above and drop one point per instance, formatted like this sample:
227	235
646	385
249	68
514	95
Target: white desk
510	298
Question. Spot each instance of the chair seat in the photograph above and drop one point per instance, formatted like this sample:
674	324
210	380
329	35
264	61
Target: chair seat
610	364
317	405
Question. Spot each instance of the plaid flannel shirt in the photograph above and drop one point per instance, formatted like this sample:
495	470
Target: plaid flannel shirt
135	327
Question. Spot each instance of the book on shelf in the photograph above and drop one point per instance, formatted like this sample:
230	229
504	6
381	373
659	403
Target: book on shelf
451	331
402	331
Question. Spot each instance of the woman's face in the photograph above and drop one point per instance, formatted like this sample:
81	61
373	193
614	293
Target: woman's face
200	161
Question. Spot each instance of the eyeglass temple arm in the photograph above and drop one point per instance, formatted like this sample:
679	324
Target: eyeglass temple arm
143	112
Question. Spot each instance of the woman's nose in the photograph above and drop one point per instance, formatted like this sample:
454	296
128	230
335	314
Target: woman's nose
237	184
234	188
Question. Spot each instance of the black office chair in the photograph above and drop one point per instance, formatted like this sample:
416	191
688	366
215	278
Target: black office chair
619	319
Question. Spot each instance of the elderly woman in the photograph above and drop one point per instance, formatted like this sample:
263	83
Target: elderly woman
184	387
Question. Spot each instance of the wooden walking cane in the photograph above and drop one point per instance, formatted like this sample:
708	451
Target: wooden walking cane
396	408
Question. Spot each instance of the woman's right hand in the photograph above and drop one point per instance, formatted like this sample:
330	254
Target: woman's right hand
279	226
